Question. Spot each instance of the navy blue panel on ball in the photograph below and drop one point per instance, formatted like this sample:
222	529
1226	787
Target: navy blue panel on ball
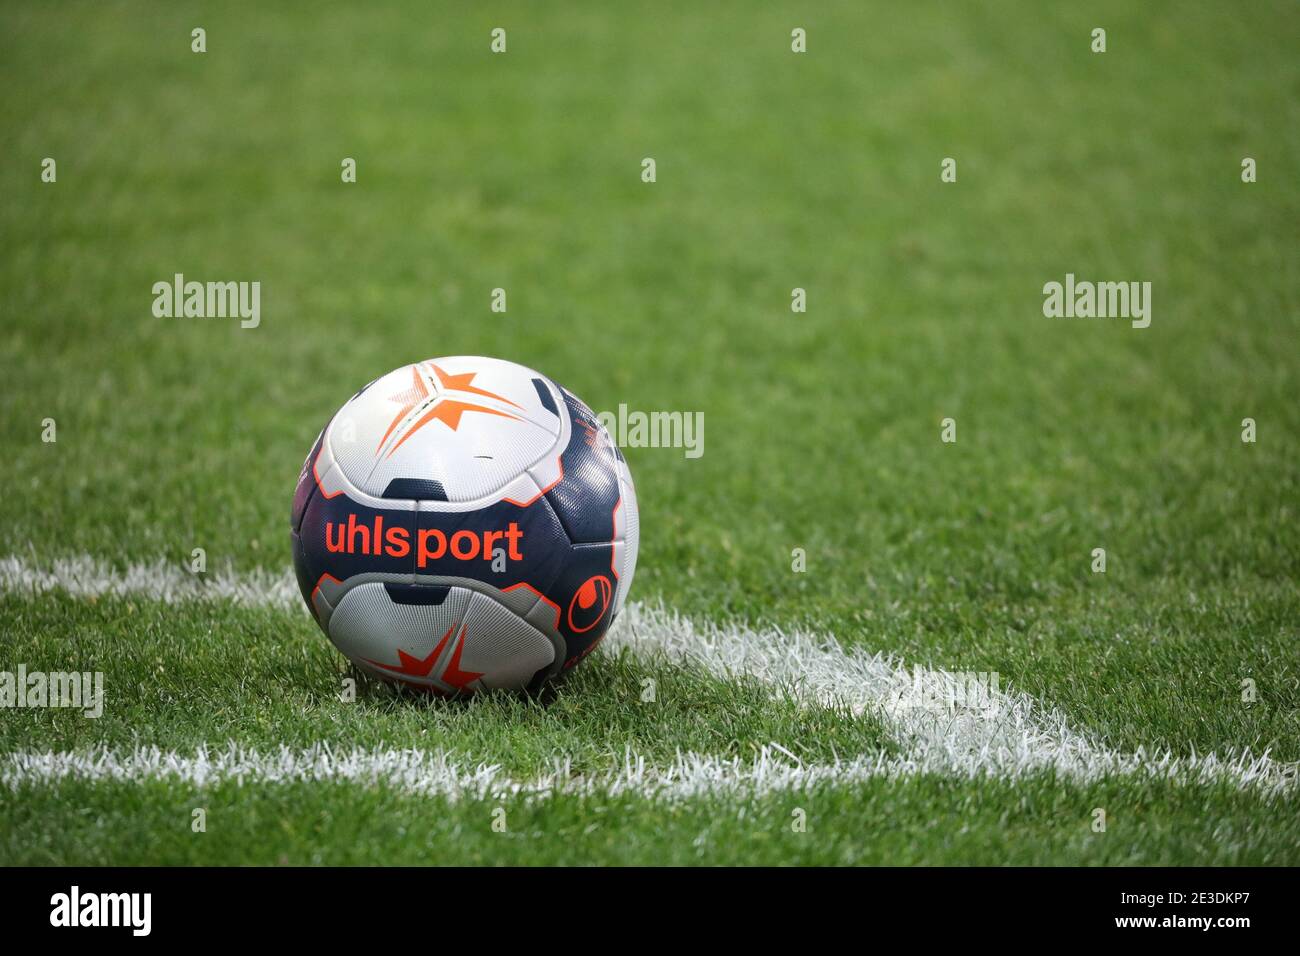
584	592
417	593
302	570
547	399
342	538
418	489
585	500
306	486
527	541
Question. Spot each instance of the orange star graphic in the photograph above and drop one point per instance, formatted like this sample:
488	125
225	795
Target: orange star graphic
420	667
417	393
414	666
452	674
447	410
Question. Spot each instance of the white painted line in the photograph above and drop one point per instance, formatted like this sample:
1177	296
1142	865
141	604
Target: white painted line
84	576
439	774
1007	735
1004	734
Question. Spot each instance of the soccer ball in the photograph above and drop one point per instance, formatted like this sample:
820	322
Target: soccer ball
464	524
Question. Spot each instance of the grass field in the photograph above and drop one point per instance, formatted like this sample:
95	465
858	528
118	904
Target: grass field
775	170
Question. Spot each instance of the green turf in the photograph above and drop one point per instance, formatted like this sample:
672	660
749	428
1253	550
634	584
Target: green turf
927	820
177	678
822	429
